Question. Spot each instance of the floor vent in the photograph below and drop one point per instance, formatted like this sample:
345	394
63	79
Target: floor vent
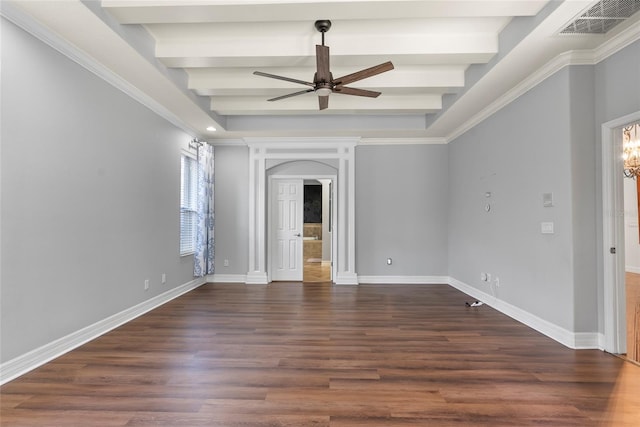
602	17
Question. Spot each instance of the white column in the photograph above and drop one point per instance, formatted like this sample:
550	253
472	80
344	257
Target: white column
257	273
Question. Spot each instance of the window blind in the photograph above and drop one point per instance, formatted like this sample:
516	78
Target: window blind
188	204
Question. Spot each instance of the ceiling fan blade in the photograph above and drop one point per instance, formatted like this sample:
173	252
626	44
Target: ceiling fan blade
324	102
290	95
322	64
286	79
353	91
363	74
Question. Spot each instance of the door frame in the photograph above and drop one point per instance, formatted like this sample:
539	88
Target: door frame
271	223
271	150
613	234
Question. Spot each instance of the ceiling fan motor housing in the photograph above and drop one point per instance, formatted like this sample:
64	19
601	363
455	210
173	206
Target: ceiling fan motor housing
323	25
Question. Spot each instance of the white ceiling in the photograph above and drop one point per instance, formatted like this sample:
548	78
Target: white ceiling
193	61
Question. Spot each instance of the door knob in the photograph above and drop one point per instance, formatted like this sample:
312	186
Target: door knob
298	235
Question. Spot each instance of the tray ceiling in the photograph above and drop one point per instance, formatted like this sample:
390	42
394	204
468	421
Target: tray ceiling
194	60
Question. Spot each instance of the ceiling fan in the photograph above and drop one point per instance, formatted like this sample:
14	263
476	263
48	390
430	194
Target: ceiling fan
323	82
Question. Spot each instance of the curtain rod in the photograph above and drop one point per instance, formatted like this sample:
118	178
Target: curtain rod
195	143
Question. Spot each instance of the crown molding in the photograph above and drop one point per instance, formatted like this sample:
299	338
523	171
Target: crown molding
402	141
32	26
574	57
287	141
617	43
534	79
228	142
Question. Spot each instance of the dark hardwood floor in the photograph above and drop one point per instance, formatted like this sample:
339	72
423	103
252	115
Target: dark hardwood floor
294	354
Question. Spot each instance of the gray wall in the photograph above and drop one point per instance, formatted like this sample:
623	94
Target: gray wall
401	210
583	203
90	197
232	209
517	154
548	140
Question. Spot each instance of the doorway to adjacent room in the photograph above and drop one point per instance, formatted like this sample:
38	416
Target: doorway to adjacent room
301	217
317	230
621	244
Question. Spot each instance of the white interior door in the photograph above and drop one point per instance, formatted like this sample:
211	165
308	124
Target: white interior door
286	250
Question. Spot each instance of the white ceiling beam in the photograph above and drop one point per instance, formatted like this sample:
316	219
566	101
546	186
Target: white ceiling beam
360	45
210	80
304	31
308	103
268	93
358	61
178	11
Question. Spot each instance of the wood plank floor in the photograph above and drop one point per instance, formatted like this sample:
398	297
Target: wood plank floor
292	354
317	272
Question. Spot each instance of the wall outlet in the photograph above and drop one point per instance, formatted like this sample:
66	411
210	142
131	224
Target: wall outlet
164	278
226	263
146	284
483	277
497	280
488	278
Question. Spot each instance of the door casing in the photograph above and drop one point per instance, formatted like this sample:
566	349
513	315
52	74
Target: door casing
339	151
613	235
273	181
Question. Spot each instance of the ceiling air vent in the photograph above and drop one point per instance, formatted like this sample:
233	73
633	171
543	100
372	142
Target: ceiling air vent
602	16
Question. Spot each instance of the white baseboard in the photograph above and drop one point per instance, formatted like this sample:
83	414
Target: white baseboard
256	278
39	356
632	269
404	280
227	278
346	279
574	340
601	342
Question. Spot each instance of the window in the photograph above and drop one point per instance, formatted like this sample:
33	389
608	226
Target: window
188	203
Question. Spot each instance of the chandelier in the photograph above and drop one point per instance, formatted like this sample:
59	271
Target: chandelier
631	150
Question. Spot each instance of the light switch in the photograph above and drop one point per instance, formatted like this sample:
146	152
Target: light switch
546	228
547	200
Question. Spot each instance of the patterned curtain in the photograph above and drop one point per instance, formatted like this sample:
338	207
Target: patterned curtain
204	250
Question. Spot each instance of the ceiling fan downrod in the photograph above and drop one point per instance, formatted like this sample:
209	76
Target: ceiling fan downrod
323	25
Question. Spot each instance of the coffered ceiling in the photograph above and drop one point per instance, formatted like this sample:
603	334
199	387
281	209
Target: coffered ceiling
454	61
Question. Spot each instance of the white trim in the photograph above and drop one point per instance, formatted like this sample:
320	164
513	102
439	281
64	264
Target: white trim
227	278
616	43
574	57
534	79
346	278
601	342
402	141
632	269
39	356
256	278
613	236
237	142
44	34
574	340
302	148
363	141
404	280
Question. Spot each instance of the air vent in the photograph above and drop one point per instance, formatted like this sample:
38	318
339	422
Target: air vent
602	17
